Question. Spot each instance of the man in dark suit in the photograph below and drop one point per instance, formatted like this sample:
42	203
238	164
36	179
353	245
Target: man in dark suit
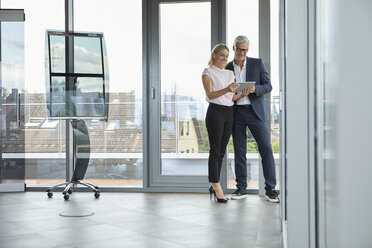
250	111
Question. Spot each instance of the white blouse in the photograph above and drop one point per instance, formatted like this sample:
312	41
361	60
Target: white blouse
221	78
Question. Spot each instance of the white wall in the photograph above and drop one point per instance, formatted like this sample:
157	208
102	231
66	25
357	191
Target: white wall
348	81
345	129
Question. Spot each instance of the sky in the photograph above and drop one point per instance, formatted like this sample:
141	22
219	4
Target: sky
12	51
185	39
34	33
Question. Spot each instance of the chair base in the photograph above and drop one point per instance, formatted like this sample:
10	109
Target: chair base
69	188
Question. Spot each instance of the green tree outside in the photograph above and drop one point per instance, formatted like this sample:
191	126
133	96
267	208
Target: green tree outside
251	143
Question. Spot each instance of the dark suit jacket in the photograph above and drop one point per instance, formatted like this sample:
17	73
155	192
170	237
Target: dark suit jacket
256	71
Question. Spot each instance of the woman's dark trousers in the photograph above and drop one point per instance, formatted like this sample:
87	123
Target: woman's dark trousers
219	122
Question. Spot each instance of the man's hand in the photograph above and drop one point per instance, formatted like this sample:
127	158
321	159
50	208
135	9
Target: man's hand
247	91
252	90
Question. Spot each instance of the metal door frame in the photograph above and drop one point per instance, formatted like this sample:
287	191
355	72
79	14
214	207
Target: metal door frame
151	78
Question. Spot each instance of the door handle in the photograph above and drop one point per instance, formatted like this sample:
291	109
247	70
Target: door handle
18	109
275	112
152	93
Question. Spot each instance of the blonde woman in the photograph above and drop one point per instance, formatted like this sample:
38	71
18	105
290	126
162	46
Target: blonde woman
219	87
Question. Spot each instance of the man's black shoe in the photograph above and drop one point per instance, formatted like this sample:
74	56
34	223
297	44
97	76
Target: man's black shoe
272	195
239	194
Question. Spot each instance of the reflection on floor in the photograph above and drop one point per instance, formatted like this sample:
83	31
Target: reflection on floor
130	183
137	220
252	184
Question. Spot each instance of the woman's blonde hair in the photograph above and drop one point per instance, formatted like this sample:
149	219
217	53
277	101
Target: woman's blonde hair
216	49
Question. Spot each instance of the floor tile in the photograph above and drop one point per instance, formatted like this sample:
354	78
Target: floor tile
164	220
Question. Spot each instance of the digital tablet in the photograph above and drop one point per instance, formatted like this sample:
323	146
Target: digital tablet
245	85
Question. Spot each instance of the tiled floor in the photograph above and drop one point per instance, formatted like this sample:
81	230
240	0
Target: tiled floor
137	220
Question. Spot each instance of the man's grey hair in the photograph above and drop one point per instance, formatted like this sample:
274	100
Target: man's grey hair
241	39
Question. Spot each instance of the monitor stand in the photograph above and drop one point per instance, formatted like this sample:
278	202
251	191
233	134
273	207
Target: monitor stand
80	160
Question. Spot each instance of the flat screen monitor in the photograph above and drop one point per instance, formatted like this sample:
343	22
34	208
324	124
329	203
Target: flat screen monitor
76	75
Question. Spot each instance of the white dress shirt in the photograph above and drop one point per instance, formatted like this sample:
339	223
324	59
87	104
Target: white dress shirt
221	78
240	76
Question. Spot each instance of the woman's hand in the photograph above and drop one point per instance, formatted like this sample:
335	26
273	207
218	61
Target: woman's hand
207	82
232	87
244	93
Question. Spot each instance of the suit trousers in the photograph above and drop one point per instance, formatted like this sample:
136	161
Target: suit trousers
245	117
219	122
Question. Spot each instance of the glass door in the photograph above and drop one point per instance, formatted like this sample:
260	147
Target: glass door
12	82
180	50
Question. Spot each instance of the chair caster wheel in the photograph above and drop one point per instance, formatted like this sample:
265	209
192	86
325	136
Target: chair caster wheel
69	191
50	194
96	195
66	196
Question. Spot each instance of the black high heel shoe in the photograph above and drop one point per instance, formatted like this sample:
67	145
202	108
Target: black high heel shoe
212	193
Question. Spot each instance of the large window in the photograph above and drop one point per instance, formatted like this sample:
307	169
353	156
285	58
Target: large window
183	46
116	145
44	139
